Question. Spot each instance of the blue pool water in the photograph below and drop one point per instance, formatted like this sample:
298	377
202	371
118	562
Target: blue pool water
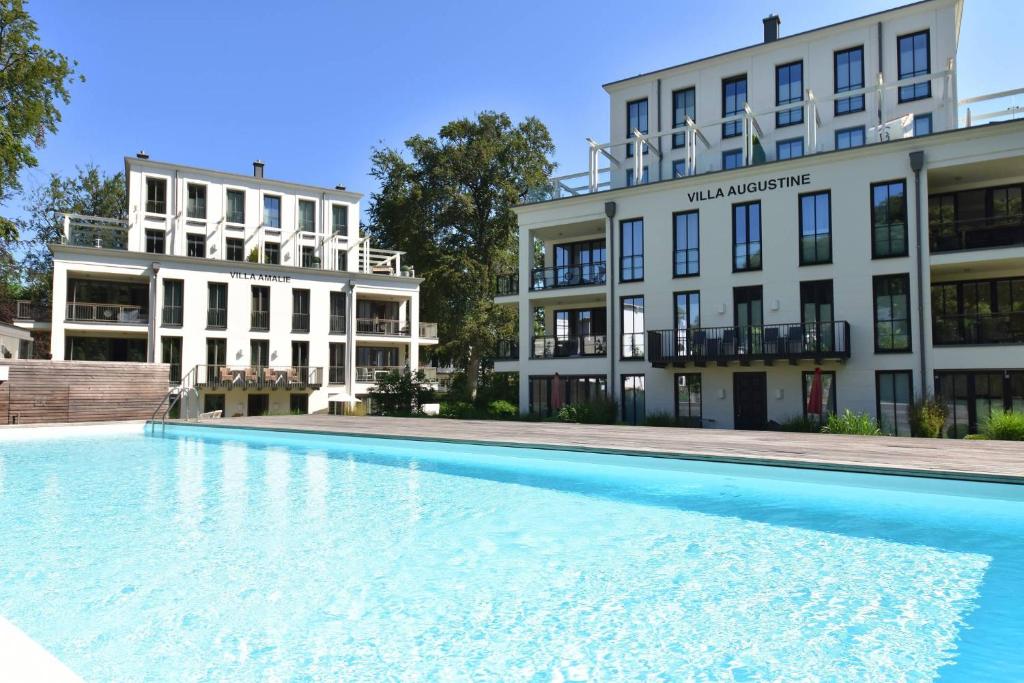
214	554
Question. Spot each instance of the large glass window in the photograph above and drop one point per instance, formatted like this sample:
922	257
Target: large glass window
155	242
789	149
260	308
174	297
849	75
307	215
633	410
195	245
631	263
734	96
922	125
339	219
259	353
789	88
336	358
914	60
632	314
888	219
574	389
684	104
272	253
746	236
235	206
300	310
732	158
893	392
688	399
196	201
686	244
828	394
216	356
170	352
234	249
631	178
271	211
217	305
892	313
337	313
686	315
978	312
815	228
156	195
972	397
847	138
636	119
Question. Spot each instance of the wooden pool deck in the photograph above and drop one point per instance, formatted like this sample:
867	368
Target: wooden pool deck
992	461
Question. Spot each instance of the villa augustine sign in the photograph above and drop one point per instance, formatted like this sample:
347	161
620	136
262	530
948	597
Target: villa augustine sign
780	183
260	277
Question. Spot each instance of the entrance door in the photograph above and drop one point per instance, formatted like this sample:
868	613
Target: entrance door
749	315
750	400
259	404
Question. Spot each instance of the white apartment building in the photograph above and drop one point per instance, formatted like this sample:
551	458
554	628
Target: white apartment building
818	201
261	294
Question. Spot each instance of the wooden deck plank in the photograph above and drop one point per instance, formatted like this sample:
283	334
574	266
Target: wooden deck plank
995	461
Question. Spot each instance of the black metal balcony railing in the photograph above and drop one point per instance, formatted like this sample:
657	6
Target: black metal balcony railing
380	326
507	349
29	310
173	315
991	328
258	377
261	321
507	285
217	318
300	322
633	345
336	374
338	324
119	314
569	347
787	341
567	276
977	233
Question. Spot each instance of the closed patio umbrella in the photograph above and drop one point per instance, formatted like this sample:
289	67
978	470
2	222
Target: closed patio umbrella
814	395
556	393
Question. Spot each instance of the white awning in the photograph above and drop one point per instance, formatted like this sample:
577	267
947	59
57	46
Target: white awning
343	396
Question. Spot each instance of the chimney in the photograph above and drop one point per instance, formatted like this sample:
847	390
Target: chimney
339	187
771	28
142	154
257	169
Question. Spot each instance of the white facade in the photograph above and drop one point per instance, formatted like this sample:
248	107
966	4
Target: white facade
262	294
838	290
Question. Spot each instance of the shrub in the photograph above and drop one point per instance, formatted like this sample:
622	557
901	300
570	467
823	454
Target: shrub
928	417
596	411
1004	426
402	392
661	420
460	410
502	410
799	423
852	423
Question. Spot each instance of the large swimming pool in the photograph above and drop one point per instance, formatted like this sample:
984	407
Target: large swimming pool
217	554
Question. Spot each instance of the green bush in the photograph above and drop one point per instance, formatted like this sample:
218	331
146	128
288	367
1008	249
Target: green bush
1004	427
852	423
661	420
928	417
596	411
502	410
401	392
460	410
799	423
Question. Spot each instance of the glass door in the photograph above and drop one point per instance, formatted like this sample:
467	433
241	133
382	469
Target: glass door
749	313
816	314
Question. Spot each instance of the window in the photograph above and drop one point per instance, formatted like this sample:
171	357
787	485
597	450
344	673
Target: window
234	249
631	266
336	358
688	399
789	149
337	313
973	396
978	311
155	242
892	313
298	404
914	60
195	245
170	352
300	310
636	119
300	355
339	219
828	393
174	296
684	104
893	392
236	206
850	137
632	313
271	211
217	305
216	356
732	158
734	96
815	228
679	168
196	201
633	411
687	320
272	253
686	244
259	353
922	125
307	215
631	177
156	195
888	219
849	75
342	262
309	258
213	402
746	236
260	308
575	389
789	88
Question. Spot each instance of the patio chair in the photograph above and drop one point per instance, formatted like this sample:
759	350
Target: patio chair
795	339
771	340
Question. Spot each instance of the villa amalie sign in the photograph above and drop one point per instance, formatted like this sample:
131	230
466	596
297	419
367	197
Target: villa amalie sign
259	277
781	183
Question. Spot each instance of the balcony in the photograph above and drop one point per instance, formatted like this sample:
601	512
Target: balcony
337	323
216	318
507	349
29	311
992	328
258	377
371	373
382	327
767	343
336	374
172	316
977	233
428	330
114	314
300	322
507	285
568	347
260	321
95	231
557	277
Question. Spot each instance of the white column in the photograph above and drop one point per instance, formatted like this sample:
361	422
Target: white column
350	340
414	331
525	324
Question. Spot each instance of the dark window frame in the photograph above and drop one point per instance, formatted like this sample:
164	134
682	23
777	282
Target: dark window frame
700	393
675	244
817	235
280	209
276	248
733	129
852	109
878	392
852	129
906	219
195	239
833	397
300	203
679	139
154	235
167	320
622	328
622	395
760	240
924	117
154	205
788	114
228	216
229	245
189	201
622	251
875	280
787	142
629	129
901	96
728	154
210	286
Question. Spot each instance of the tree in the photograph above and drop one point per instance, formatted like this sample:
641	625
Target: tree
402	393
450	208
33	81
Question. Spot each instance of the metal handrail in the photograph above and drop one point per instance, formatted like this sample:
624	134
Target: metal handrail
125	314
428	330
382	326
507	349
507	284
217	317
568	347
980	328
976	233
258	376
300	322
829	339
370	373
579	275
337	324
30	310
260	321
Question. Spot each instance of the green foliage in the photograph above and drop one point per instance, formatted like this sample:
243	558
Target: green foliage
661	420
1006	426
460	410
800	423
449	207
852	423
597	411
401	392
254	255
502	410
928	417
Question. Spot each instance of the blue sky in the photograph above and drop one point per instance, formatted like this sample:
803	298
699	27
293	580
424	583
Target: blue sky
312	86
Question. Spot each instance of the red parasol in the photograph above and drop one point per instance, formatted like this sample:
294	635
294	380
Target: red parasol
814	395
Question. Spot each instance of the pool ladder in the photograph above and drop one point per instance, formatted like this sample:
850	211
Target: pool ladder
174	397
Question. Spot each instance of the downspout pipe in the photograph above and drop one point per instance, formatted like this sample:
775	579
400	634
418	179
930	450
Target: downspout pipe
916	164
610	317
